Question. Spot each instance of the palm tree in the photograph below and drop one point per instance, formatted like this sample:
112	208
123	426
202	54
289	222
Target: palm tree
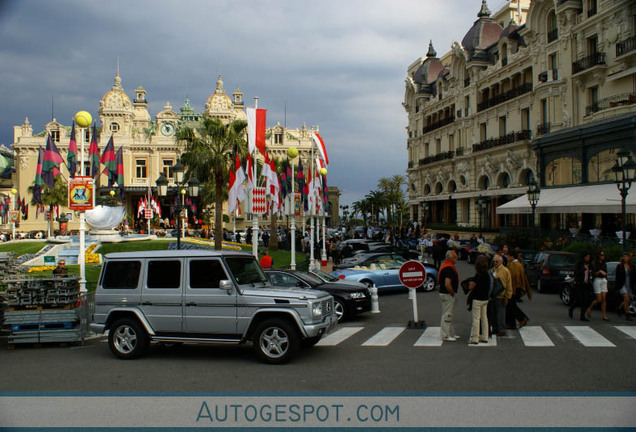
52	197
377	202
209	153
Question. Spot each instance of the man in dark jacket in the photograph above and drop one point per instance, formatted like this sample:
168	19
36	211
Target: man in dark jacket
582	286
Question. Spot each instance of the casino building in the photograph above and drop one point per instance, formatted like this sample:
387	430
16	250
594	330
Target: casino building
148	145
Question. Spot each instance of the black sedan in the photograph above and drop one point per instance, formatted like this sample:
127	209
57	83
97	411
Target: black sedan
348	299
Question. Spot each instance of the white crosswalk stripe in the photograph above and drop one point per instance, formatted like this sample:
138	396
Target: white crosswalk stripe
430	337
339	336
385	336
629	331
589	337
535	336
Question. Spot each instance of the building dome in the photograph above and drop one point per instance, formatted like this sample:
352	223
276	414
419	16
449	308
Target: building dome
219	103
116	98
430	69
482	34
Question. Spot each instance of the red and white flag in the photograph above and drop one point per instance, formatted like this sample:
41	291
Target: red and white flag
321	148
256	119
237	190
250	173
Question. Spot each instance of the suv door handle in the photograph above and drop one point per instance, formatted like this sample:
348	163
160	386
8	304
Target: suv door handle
191	304
146	303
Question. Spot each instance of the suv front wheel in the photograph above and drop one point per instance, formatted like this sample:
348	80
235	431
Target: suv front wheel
276	341
127	339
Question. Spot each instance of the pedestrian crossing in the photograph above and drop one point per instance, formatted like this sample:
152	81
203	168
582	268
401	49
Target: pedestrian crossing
530	336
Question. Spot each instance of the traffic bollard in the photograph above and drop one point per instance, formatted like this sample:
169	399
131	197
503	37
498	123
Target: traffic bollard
375	304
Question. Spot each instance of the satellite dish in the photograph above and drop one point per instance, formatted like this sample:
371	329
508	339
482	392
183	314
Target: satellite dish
105	217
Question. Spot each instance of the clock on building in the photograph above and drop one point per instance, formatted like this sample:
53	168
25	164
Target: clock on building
167	129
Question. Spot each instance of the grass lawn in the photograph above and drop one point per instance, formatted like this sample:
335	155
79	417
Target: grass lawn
21	248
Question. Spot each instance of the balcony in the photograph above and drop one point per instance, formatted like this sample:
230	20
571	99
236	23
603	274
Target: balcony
598	58
459	151
510	94
543	129
553	35
510	138
436	158
628	45
611	102
438	124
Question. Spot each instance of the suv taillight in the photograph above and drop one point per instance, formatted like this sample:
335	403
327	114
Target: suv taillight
545	272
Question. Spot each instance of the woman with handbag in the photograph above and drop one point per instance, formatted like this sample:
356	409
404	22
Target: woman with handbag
625	279
479	287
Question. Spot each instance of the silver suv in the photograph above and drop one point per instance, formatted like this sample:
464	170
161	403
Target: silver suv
204	297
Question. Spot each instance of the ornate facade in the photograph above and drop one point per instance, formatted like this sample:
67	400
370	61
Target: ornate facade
149	146
476	116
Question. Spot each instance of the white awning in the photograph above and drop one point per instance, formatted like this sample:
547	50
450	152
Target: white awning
604	198
490	192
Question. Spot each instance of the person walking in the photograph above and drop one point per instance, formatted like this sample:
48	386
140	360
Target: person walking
448	280
582	286
625	280
500	272
479	287
520	287
599	284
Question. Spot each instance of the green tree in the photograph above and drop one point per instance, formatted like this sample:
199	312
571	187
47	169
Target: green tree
376	200
209	153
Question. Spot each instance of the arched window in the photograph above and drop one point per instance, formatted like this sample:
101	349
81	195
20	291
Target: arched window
553	31
563	171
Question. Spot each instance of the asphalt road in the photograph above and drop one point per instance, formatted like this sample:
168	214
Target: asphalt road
351	366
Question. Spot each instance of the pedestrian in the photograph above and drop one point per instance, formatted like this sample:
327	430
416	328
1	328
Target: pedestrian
266	261
60	270
599	285
438	253
448	280
500	272
520	287
582	286
479	287
625	281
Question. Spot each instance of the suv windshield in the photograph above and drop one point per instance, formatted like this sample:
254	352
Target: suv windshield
563	260
246	270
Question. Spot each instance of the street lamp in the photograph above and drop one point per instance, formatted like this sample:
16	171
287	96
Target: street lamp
533	197
624	173
193	191
425	207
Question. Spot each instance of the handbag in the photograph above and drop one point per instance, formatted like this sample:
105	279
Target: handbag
496	287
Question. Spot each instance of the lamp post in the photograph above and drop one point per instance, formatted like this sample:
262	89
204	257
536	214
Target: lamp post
533	197
14	191
425	207
193	191
624	173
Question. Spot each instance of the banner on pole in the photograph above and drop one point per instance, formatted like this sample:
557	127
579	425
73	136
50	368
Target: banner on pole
148	213
80	193
297	209
259	203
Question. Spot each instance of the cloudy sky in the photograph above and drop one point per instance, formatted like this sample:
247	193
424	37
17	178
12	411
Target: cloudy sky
336	64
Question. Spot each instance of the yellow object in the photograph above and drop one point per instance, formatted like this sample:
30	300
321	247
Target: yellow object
83	119
292	152
323	171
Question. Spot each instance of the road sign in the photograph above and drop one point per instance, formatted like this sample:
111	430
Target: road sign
412	274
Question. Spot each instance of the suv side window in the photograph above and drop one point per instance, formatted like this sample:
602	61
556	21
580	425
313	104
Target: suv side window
121	275
164	274
282	279
206	273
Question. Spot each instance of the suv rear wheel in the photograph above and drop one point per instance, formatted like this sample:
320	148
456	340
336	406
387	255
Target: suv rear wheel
276	341
127	339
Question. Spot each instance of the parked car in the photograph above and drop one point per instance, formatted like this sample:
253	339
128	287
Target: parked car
614	299
327	278
368	258
348	299
384	275
549	269
407	254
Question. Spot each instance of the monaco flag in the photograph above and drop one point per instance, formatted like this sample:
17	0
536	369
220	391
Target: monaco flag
321	148
237	191
256	119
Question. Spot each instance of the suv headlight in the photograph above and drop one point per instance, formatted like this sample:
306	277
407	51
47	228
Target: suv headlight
316	310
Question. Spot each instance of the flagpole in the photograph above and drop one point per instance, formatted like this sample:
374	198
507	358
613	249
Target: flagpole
292	153
324	235
81	257
312	211
254	215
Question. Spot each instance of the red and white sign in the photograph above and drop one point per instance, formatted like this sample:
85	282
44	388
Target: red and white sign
259	203
412	274
148	213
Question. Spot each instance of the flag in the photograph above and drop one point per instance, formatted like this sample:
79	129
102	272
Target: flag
119	159
93	153
51	163
256	119
71	157
141	207
37	188
250	173
237	190
24	209
321	148
300	177
109	159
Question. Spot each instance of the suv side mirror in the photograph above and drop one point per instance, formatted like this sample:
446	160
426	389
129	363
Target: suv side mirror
226	285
